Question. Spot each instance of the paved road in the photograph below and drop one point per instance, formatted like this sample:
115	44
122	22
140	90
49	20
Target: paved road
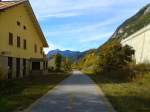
78	93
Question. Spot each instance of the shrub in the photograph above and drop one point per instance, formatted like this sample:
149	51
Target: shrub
138	70
50	69
113	57
67	64
114	60
143	68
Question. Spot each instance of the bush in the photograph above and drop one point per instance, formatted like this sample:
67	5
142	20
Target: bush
139	70
67	64
142	68
113	57
50	69
130	72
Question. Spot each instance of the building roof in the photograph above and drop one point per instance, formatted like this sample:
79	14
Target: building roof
5	5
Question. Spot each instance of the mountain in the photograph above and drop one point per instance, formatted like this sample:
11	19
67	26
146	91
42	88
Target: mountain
127	28
74	55
133	24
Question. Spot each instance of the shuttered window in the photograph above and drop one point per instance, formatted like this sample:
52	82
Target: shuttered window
24	44
18	41
10	38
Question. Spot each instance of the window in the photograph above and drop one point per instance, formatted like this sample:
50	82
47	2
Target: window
24	44
18	41
18	23
10	39
24	27
35	48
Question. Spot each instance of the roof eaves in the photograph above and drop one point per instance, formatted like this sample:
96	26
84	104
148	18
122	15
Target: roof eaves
31	10
15	4
38	26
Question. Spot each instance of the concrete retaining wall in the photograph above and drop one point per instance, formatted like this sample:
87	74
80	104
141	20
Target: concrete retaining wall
140	41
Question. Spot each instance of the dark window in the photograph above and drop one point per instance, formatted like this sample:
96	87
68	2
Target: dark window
35	48
10	39
18	23
24	44
18	41
24	27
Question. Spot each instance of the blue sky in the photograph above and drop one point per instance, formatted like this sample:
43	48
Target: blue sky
82	24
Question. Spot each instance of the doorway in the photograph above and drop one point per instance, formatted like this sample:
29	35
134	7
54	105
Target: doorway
18	67
24	67
35	65
10	69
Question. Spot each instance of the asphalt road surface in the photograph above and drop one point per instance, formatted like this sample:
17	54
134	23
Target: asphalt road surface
77	93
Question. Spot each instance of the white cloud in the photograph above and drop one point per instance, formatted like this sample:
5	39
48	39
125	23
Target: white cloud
81	29
96	38
67	8
52	47
62	7
58	15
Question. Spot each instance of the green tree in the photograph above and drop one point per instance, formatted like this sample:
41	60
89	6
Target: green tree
58	61
67	64
113	56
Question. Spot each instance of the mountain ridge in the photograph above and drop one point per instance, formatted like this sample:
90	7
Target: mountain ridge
74	55
127	28
133	24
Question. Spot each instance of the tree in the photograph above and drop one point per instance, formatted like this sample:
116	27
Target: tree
58	61
113	56
67	64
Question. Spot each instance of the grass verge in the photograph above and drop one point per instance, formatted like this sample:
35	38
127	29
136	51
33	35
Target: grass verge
126	96
18	94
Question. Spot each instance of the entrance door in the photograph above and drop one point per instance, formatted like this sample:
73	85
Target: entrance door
35	65
17	67
10	65
24	67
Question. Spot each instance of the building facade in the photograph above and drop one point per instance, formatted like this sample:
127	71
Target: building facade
21	40
140	41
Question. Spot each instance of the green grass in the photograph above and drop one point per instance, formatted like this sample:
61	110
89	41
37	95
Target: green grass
19	94
126	96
